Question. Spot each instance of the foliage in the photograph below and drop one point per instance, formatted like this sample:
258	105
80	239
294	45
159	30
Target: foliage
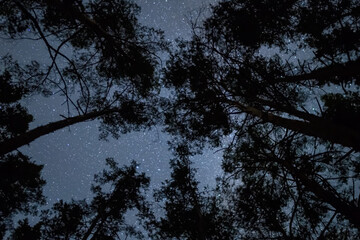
291	164
189	212
20	188
285	190
116	191
14	118
20	182
25	231
99	59
104	64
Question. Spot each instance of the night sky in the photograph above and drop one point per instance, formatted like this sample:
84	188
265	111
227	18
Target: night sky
72	156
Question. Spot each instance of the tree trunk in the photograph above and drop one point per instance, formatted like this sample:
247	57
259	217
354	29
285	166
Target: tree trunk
200	223
322	129
92	226
12	144
350	69
348	210
291	111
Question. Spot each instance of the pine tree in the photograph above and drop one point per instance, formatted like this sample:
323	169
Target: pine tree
189	213
110	75
293	157
20	182
116	191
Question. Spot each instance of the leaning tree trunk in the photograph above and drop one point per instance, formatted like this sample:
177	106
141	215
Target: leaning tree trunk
12	144
350	70
348	210
320	128
94	222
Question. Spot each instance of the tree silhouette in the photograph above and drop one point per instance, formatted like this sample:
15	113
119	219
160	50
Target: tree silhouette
14	117
116	191
25	231
20	182
292	163
292	119
288	192
223	69
20	188
110	74
189	213
104	64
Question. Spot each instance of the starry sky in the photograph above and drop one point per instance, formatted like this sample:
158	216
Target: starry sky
71	156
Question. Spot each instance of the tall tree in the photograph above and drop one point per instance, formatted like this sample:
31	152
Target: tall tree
100	59
234	64
289	192
116	191
293	119
20	188
20	181
189	213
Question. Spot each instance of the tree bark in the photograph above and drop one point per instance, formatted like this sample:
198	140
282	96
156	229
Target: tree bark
12	144
322	129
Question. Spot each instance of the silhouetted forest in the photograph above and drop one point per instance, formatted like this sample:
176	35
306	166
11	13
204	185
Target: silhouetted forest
291	166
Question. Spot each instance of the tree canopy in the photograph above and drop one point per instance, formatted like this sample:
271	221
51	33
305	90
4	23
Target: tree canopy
101	60
21	182
102	218
275	84
190	213
292	162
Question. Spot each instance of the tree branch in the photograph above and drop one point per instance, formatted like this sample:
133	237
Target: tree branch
320	128
12	144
